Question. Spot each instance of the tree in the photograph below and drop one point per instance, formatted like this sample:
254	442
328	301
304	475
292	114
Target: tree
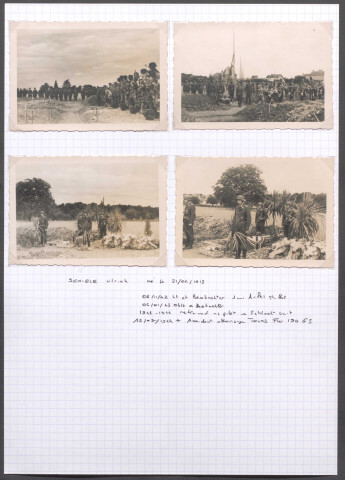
32	196
243	180
211	199
195	200
299	79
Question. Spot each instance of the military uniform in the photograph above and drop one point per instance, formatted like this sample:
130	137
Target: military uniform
241	224
188	224
260	219
42	228
102	226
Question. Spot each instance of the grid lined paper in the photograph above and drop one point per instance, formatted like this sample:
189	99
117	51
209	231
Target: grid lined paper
87	392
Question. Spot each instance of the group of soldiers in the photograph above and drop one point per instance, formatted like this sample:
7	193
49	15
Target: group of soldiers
84	227
256	91
139	92
241	223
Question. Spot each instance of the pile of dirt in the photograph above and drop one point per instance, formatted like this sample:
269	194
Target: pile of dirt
129	241
309	111
198	103
212	249
27	237
62	234
210	228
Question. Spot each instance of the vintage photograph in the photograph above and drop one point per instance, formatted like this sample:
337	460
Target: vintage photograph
88	211
88	76
253	75
268	212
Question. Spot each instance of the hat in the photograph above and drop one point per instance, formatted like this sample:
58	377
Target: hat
241	197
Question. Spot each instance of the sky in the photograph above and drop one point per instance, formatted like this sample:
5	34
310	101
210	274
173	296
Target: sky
295	175
94	57
289	49
119	183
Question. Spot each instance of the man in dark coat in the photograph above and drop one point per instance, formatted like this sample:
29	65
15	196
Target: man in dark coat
188	223
241	223
42	228
102	225
260	218
239	93
248	90
84	227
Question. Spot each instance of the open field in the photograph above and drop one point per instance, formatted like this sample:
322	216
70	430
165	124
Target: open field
46	111
200	108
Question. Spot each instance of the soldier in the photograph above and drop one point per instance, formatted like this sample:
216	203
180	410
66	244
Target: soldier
239	94
241	223
288	216
42	228
34	93
260	218
231	91
248	90
85	227
188	223
102	225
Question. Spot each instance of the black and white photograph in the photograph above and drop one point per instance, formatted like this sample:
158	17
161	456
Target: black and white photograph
255	212
88	211
253	75
88	76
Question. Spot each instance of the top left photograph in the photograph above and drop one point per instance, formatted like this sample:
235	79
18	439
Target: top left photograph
88	76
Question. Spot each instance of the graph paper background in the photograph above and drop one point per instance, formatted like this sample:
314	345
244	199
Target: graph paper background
87	392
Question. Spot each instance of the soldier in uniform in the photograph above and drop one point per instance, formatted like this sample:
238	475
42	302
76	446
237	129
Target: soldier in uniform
34	93
248	90
288	216
43	227
241	223
84	227
102	225
188	223
260	218
239	92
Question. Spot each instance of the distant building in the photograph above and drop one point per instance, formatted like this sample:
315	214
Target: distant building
274	77
317	75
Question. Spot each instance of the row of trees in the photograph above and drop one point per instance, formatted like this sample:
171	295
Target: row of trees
34	195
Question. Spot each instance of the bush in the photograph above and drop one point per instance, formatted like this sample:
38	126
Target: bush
92	100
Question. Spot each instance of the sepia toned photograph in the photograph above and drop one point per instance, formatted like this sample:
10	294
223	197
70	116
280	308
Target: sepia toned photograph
88	211
256	212
253	75
88	76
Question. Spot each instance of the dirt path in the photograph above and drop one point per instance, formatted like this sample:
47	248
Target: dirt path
73	252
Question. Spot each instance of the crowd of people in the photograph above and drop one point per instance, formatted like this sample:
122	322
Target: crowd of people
139	92
241	222
255	91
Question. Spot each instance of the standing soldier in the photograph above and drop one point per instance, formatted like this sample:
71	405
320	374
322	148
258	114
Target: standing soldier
85	227
42	228
288	215
102	225
239	92
260	218
248	90
188	223
34	93
241	223
231	91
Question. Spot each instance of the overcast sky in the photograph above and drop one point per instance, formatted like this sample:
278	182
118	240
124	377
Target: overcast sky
94	57
287	48
125	183
294	175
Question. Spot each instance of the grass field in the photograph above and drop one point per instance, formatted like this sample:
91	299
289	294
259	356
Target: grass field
46	111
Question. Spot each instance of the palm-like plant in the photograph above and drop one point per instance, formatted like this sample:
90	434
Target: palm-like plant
115	221
285	197
308	218
273	205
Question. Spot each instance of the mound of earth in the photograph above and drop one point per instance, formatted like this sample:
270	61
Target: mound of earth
210	228
309	111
